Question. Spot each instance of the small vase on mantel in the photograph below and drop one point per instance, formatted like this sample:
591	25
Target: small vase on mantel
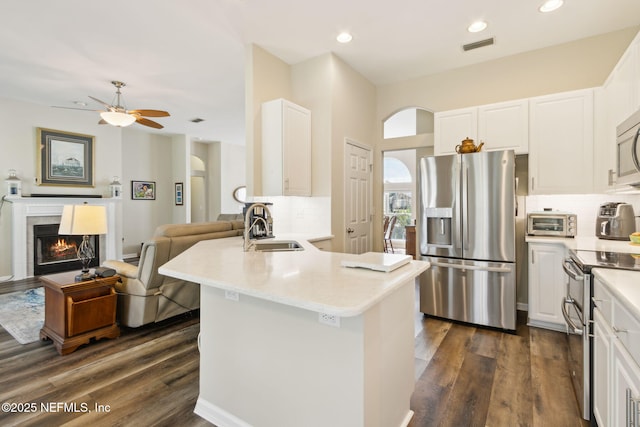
14	185
116	188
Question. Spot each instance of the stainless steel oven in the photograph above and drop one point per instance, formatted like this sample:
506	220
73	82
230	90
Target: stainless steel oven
577	313
577	309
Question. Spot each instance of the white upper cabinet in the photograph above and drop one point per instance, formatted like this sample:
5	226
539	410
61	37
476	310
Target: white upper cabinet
452	127
286	149
620	98
504	126
501	126
561	143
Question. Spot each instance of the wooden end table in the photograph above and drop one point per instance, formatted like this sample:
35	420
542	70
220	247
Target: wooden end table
76	312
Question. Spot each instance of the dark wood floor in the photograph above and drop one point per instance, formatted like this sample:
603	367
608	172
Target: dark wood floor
466	376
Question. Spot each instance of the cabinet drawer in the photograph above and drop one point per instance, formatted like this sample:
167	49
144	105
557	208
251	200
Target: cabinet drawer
603	299
627	329
85	315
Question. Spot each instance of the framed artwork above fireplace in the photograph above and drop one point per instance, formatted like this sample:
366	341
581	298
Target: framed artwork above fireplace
66	159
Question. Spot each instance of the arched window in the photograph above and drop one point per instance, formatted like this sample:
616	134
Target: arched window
408	122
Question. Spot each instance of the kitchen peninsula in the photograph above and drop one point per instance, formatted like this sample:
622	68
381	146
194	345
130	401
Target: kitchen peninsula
295	338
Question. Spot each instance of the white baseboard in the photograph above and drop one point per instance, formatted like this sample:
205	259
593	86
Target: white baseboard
521	306
216	415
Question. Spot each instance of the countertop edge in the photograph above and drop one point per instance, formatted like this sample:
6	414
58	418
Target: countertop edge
391	282
618	282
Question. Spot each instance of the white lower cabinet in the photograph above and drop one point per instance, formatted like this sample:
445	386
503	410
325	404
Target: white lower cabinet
616	373
547	285
625	396
602	335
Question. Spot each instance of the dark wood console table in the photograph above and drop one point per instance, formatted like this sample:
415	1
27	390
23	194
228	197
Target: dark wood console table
76	312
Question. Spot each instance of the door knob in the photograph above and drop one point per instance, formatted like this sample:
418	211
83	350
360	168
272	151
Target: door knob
350	230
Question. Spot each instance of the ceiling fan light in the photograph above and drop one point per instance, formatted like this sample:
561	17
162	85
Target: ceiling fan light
550	5
116	118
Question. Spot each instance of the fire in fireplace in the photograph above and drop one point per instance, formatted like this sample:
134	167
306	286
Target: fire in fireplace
53	253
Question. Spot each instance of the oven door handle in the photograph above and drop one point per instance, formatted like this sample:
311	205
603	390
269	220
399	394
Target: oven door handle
565	313
572	270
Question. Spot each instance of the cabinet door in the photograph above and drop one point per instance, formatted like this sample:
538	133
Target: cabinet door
604	141
504	126
547	285
602	335
286	149
452	127
625	391
561	143
296	170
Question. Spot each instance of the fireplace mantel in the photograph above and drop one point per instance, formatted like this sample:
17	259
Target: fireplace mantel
23	208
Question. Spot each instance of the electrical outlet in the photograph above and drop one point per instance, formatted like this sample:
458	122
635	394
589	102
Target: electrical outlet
329	319
232	295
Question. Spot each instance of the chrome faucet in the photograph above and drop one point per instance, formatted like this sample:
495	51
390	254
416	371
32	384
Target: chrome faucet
249	226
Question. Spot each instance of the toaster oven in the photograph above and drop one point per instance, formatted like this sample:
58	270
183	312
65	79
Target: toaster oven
558	224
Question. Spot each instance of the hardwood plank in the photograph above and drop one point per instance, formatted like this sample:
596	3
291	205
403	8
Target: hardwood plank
511	398
486	342
466	375
469	400
431	395
554	402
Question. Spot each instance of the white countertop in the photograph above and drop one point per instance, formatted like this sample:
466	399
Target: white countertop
588	243
310	279
624	284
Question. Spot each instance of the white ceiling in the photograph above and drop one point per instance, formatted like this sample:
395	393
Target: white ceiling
187	57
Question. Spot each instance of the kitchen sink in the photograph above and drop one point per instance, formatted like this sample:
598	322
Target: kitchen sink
278	246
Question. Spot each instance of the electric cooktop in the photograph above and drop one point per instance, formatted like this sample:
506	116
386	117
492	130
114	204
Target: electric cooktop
604	259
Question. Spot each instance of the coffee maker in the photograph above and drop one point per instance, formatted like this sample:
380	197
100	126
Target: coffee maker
615	221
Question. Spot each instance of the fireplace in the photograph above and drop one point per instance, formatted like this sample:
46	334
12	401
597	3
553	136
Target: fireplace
53	253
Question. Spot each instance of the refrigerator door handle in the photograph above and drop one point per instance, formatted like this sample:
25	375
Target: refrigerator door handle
465	204
458	211
470	267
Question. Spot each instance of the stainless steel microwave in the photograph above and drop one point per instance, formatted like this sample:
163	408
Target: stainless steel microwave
552	223
628	151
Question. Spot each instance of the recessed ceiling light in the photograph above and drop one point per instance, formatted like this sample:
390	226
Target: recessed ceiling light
344	37
550	5
477	26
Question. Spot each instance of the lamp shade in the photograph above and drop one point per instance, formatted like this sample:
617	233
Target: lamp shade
80	220
117	118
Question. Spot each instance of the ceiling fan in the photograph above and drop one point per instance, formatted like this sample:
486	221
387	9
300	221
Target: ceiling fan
117	115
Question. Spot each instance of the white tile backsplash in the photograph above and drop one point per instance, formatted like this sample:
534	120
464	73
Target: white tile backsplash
585	206
300	214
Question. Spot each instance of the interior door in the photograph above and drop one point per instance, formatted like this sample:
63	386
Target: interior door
357	199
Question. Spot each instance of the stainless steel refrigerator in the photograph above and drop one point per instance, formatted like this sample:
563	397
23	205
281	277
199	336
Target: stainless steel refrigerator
467	232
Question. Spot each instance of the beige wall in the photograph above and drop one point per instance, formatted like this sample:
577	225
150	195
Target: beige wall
577	65
267	77
342	105
311	83
353	112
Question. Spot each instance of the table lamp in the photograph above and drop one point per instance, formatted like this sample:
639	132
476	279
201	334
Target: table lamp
83	220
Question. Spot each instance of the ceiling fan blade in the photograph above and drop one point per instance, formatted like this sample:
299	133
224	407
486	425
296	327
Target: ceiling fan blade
149	113
109	106
149	123
75	108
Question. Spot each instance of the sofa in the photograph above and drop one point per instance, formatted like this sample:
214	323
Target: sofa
144	296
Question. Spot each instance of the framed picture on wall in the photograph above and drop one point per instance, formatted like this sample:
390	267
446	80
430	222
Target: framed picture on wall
179	194
66	159
143	190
